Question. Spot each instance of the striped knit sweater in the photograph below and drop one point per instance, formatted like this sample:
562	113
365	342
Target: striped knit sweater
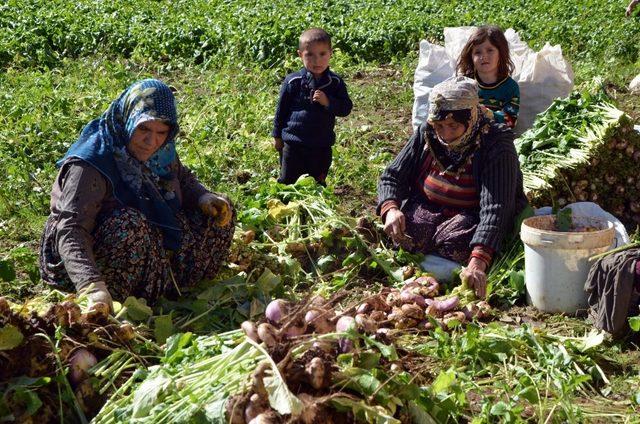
496	172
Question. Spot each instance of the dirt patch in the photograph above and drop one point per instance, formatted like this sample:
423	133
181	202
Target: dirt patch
625	100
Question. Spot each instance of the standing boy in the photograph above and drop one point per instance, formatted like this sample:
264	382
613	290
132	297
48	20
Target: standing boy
309	102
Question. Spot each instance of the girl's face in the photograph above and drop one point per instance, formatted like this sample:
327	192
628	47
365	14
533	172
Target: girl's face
448	129
147	138
485	58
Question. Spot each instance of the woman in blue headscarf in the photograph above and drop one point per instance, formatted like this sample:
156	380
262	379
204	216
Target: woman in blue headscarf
127	218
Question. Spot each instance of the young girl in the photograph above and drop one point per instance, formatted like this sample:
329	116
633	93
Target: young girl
486	58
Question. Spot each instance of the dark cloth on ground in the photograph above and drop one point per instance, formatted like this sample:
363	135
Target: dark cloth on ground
496	173
613	293
130	256
298	160
437	229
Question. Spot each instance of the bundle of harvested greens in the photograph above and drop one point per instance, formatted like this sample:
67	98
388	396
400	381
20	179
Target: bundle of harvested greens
583	148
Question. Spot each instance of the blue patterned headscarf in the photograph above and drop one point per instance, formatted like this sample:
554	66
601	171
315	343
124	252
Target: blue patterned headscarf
143	186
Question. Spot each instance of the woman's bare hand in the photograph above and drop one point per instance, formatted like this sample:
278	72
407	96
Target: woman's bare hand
395	224
476	276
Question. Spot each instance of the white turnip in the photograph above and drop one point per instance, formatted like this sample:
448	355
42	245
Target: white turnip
276	310
79	363
268	334
268	417
318	320
316	373
406	296
364	308
251	331
255	407
125	332
394	299
345	323
295	329
413	311
365	324
378	316
439	307
451	318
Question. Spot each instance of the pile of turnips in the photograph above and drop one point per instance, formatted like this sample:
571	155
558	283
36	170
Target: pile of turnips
415	306
63	337
317	328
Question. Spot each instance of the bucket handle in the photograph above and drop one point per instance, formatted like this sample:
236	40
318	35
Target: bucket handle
574	238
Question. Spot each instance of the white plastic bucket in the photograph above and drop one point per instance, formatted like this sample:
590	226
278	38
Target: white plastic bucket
556	263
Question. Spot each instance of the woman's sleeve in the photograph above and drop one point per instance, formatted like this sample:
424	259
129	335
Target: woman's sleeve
498	183
395	181
83	192
190	186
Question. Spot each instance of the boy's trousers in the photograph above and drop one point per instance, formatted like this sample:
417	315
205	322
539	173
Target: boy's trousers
298	160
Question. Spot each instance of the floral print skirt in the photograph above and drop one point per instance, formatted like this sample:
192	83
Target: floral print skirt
132	260
439	230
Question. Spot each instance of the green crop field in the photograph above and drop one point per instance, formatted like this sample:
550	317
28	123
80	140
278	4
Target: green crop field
62	62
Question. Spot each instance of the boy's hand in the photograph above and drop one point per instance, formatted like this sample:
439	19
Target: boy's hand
320	97
277	143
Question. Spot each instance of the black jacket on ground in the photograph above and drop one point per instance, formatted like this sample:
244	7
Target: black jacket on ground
298	120
496	172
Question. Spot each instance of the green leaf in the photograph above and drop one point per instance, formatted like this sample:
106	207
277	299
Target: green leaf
280	398
530	394
564	219
593	339
7	270
634	323
516	281
444	381
163	328
325	262
374	414
368	360
149	394
175	344
10	337
500	408
388	351
29	399
215	411
137	309
268	281
419	415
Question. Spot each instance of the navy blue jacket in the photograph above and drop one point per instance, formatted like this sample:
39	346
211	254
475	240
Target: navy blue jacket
298	120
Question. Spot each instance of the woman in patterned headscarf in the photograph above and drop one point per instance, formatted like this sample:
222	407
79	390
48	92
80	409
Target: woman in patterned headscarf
456	186
127	218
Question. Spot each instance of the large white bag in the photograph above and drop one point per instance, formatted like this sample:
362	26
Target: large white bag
542	76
